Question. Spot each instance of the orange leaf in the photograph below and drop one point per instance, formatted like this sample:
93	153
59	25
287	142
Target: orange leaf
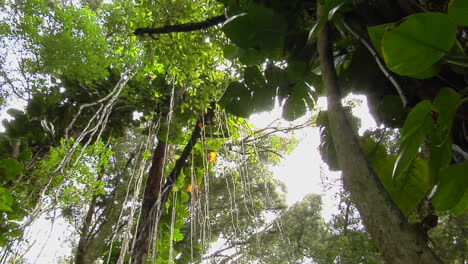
192	188
211	156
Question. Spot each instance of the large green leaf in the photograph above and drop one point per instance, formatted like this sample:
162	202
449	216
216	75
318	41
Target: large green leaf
263	95
296	71
298	102
462	206
236	99
376	34
260	28
418	42
409	193
458	12
252	95
417	125
452	188
253	78
248	56
276	76
445	106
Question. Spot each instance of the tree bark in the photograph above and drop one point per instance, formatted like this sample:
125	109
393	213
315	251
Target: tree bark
150	198
158	189
82	254
398	240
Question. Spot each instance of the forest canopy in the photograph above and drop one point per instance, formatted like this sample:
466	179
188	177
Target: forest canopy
135	128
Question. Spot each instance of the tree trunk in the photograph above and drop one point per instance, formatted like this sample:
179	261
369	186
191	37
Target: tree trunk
81	256
398	241
158	189
150	198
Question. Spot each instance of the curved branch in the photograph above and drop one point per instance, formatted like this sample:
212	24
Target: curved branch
187	27
390	76
398	240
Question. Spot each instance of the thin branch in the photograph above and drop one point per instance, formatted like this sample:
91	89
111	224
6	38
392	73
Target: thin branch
187	27
390	76
270	150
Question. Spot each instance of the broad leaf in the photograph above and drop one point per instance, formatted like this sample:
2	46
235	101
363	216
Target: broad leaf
452	188
298	102
409	193
445	106
414	131
416	44
458	12
462	206
246	56
376	34
276	76
260	28
236	99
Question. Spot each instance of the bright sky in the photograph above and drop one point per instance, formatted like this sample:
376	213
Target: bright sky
301	170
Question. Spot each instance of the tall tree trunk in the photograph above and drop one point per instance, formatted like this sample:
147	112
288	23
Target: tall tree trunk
94	235
158	189
82	256
398	241
150	198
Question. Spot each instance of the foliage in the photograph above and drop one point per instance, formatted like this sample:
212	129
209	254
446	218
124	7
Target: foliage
71	58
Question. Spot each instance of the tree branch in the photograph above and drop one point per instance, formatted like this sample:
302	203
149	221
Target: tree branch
187	27
390	76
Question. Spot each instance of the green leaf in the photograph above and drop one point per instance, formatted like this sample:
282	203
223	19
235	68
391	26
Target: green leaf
462	206
25	155
452	188
296	71
236	99
457	11
418	42
276	76
376	34
231	52
10	168
260	28
253	78
15	233
409	193
5	208
298	102
414	131
445	106
7	198
446	103
251	57
246	56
